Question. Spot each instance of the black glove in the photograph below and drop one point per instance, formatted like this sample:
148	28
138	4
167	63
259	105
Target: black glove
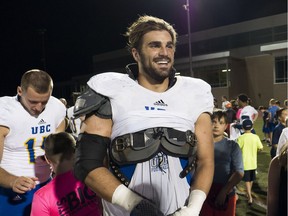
146	208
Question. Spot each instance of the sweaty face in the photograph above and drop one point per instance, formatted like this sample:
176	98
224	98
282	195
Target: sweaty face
32	101
156	57
219	126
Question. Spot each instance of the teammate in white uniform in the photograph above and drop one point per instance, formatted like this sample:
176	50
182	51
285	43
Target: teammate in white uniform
25	121
247	112
154	99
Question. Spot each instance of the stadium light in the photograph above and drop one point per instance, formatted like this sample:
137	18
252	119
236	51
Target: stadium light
186	7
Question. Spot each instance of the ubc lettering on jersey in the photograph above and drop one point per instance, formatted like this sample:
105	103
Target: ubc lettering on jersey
74	201
41	129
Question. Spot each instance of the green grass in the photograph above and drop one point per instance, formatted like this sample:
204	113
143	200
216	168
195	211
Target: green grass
259	188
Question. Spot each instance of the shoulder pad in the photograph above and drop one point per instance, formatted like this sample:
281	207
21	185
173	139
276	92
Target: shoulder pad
92	102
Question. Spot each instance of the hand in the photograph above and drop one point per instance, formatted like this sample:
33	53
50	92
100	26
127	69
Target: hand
133	203
184	211
221	199
195	202
144	208
23	184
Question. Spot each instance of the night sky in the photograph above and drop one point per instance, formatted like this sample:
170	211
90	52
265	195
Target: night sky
61	36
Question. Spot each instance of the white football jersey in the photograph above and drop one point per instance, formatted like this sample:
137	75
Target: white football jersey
23	145
135	108
248	112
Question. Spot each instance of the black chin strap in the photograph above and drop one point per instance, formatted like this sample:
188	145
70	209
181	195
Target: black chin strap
172	78
129	71
133	74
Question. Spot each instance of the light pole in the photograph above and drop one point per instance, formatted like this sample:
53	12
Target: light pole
186	7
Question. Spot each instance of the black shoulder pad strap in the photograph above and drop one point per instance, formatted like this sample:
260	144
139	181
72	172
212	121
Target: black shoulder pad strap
92	102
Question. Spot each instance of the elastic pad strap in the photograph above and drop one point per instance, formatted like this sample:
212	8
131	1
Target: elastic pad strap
90	153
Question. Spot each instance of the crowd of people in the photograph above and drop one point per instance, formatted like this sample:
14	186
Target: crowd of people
275	134
148	142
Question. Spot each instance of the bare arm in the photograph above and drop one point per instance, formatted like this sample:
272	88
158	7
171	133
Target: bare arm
3	133
204	170
233	181
273	187
7	180
255	115
205	154
235	178
5	177
100	180
62	126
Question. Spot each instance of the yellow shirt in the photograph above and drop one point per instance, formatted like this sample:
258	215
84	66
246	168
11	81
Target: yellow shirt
249	143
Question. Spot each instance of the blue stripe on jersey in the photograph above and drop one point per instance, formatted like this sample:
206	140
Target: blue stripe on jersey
128	170
184	163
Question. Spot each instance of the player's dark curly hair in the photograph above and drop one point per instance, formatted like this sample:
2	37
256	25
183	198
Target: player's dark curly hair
145	24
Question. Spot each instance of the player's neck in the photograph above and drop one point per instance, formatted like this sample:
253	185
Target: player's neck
149	84
157	87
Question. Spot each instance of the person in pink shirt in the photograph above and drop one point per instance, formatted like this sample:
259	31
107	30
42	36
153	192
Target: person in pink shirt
238	114
64	194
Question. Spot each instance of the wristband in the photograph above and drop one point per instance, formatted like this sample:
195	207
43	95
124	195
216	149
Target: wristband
196	200
125	198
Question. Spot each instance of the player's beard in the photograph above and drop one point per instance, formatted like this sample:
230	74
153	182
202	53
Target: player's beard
155	73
